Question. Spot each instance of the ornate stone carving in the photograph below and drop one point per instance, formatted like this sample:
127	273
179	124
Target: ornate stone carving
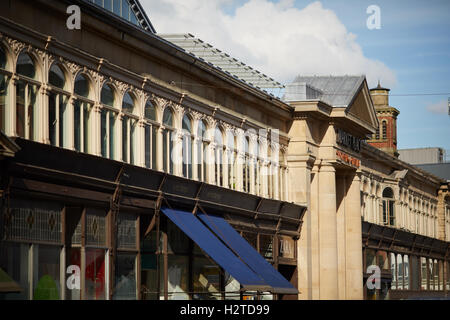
15	45
197	116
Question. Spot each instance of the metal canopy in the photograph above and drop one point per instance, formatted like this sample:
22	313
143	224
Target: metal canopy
223	61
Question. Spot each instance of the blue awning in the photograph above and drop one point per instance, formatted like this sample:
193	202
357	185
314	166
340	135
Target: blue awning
248	254
223	256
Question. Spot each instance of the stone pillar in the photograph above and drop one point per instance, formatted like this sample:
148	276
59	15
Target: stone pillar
195	159
326	211
443	195
96	125
159	149
69	125
43	120
353	239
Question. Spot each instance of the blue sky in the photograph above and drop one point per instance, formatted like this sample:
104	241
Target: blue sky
284	38
414	41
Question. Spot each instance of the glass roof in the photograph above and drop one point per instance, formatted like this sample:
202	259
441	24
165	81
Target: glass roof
224	62
130	10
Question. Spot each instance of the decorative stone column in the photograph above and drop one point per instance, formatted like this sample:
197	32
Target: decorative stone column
159	148
95	129
353	239
327	229
43	120
69	129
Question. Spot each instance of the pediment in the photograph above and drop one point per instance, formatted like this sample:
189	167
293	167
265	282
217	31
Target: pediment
362	107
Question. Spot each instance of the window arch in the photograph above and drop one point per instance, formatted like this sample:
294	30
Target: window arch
150	135
218	156
58	112
168	133
168	117
108	95
202	146
26	98
5	78
187	146
150	111
128	103
56	77
26	66
3	58
129	125
82	108
388	207
109	115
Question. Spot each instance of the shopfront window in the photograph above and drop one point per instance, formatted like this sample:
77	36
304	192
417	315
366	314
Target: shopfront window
34	266
371	259
95	274
46	272
14	262
382	260
424	273
149	267
125	277
232	288
206	279
266	246
178	277
415	273
393	271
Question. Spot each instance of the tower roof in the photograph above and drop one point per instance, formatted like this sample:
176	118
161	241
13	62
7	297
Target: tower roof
379	87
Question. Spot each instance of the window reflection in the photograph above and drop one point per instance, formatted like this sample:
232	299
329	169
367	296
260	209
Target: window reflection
46	272
206	278
95	274
125	278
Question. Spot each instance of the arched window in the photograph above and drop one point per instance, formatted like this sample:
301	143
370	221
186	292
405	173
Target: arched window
108	121
246	165
388	207
26	98
187	147
81	87
58	115
4	89
377	134
3	59
283	176
128	103
82	108
168	140
150	135
218	155
384	129
129	124
202	146
232	158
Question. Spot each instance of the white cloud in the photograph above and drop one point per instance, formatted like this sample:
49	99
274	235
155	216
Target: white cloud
277	39
440	107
